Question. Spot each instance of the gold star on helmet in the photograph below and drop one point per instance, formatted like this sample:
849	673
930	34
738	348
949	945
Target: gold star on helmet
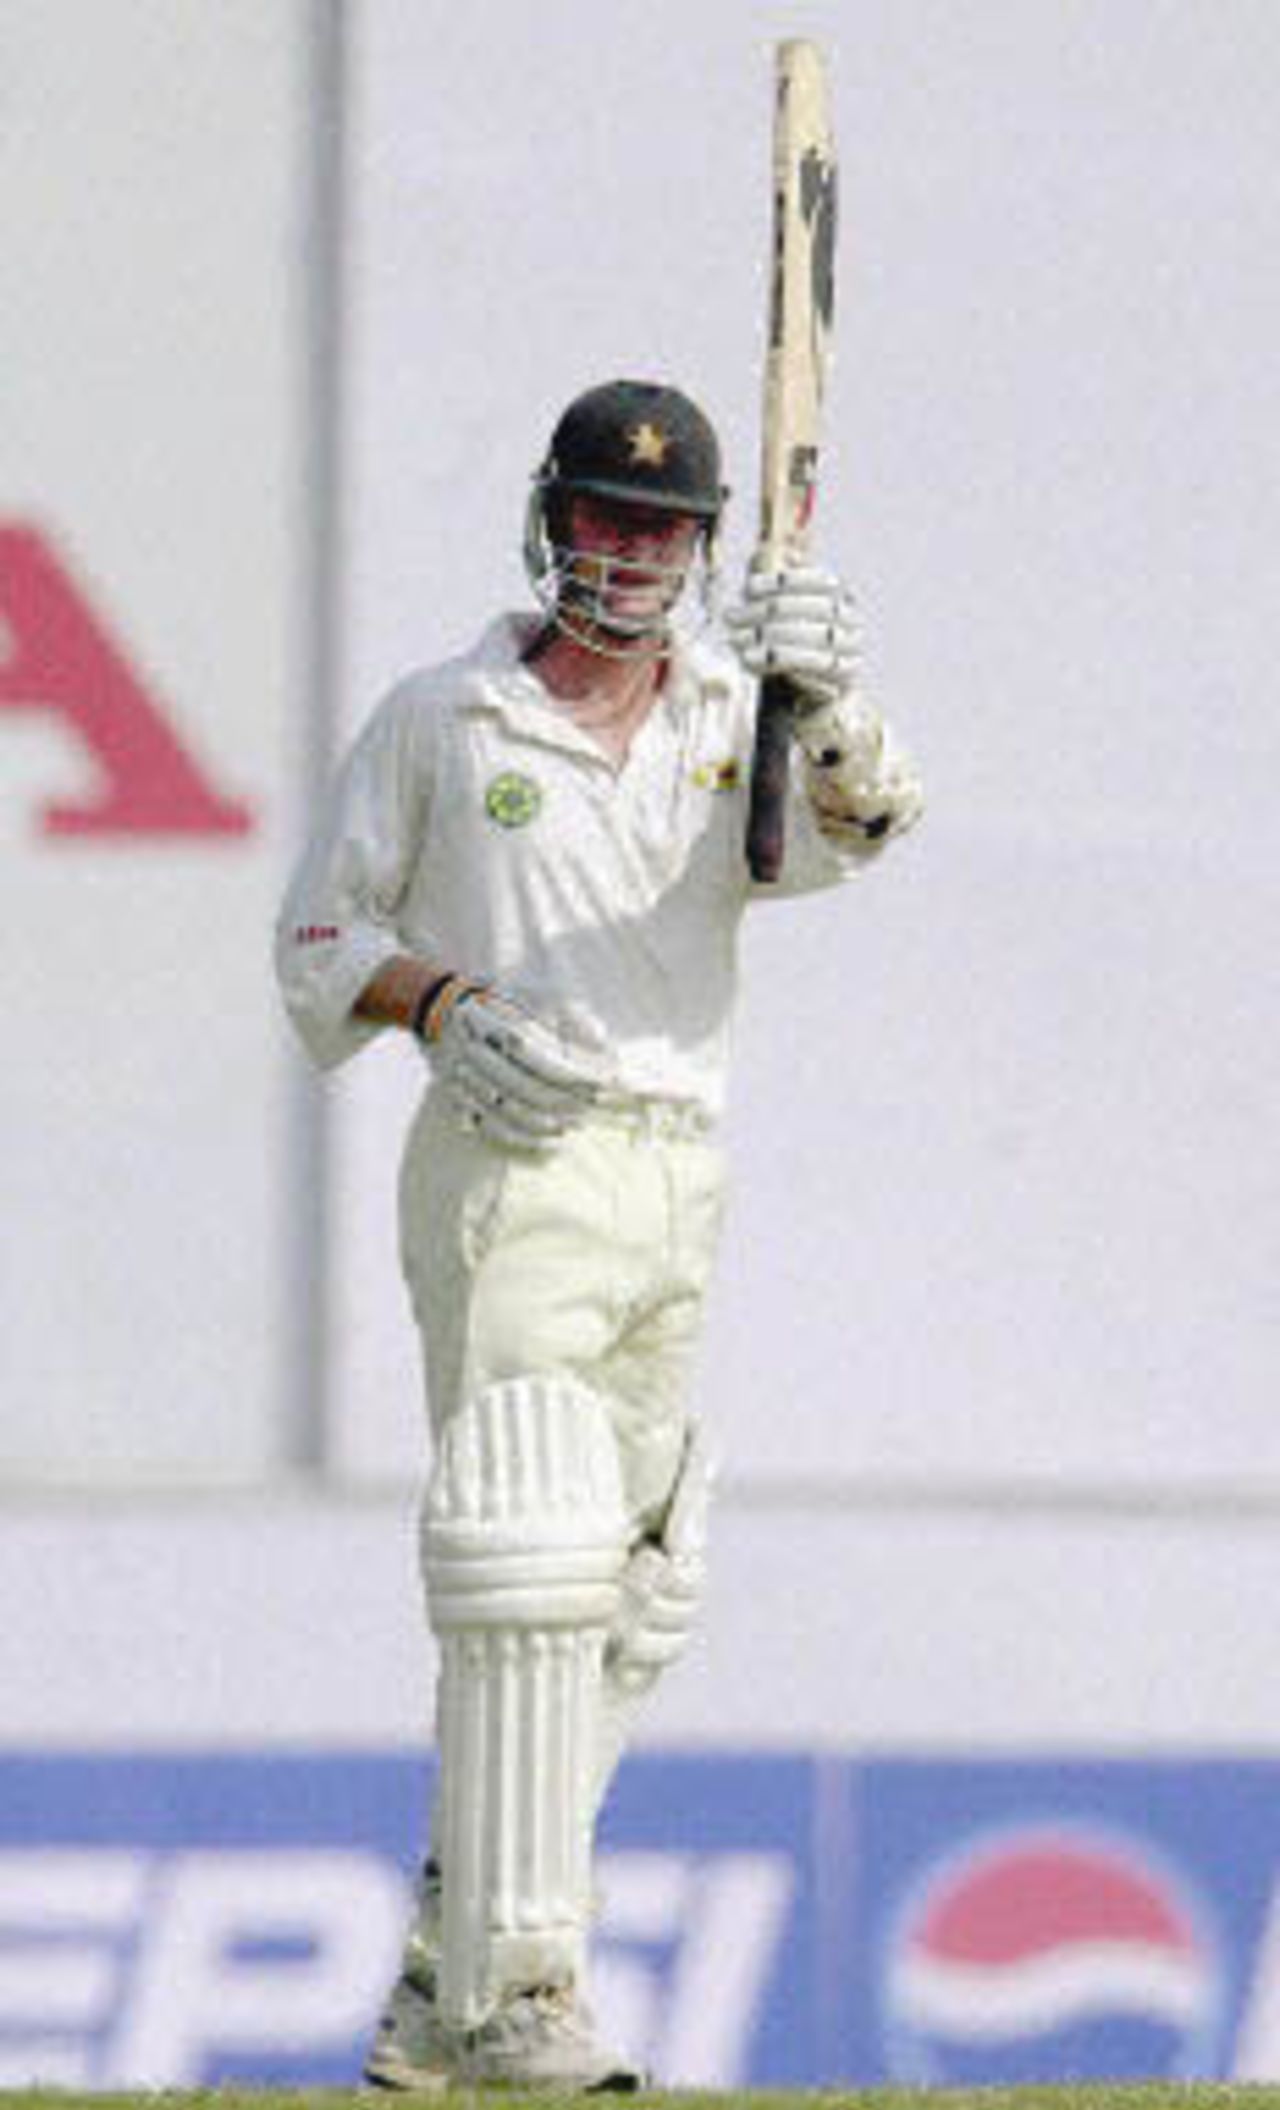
649	444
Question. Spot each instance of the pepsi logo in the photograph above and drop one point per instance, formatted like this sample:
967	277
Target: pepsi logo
1051	1952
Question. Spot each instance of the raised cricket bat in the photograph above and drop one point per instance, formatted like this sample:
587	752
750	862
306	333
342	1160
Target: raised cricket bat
801	316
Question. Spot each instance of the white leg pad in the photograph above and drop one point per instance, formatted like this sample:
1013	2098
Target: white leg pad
658	1602
524	1543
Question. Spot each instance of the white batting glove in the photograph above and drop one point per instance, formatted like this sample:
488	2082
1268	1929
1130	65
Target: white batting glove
800	622
509	1076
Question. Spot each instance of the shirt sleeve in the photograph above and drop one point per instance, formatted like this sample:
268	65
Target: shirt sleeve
338	920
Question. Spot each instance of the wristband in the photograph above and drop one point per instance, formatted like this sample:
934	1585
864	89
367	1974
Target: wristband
418	1022
445	999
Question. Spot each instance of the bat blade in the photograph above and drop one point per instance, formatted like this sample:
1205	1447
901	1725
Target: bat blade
797	358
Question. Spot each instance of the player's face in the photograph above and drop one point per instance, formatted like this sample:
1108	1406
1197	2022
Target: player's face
631	559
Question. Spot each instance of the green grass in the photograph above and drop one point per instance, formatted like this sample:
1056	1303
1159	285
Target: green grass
1093	2095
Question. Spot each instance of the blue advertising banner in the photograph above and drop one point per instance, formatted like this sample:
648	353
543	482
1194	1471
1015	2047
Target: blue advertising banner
1026	1921
184	1921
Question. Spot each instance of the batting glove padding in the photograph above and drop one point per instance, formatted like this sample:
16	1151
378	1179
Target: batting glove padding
509	1076
800	622
856	803
862	787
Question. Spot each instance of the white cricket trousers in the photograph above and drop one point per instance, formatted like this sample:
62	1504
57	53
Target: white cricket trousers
593	1261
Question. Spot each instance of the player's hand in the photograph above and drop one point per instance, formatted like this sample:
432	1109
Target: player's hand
510	1076
862	787
800	622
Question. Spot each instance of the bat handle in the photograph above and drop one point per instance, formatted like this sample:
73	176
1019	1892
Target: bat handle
770	774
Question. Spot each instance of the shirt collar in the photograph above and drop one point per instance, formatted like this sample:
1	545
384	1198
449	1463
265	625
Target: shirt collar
500	685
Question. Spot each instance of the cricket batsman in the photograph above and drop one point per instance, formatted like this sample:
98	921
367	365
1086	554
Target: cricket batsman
532	863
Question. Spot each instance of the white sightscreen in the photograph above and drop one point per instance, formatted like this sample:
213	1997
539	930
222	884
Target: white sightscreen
149	620
1004	1114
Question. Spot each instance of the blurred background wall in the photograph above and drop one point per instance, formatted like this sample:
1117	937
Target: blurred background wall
296	295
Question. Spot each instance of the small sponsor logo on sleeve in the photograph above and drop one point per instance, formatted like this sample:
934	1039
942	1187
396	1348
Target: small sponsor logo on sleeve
316	933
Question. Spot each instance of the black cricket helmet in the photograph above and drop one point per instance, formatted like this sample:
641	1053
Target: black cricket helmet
637	441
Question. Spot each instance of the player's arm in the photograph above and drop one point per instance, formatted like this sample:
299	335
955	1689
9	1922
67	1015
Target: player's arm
336	932
401	991
800	622
346	974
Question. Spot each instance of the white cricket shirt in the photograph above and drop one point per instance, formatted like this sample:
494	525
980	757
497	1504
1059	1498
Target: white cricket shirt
472	821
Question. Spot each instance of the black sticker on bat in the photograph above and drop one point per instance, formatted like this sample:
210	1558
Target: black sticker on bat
777	282
802	482
818	202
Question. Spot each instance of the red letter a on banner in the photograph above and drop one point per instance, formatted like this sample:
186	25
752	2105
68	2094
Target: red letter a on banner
55	656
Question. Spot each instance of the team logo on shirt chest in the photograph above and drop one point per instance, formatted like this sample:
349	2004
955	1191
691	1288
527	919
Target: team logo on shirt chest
513	799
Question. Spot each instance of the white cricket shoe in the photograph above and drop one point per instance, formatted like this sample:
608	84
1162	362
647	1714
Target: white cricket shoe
411	2050
542	2040
408	2050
